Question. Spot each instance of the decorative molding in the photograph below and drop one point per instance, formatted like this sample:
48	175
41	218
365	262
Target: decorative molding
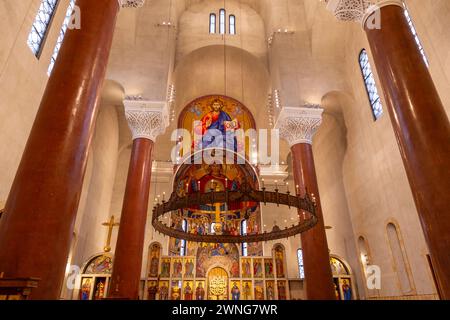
131	3
357	10
298	125
146	119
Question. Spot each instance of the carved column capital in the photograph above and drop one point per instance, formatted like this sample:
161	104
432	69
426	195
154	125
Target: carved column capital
131	3
357	10
298	125
146	119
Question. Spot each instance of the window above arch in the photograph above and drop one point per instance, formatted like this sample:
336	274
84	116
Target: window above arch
41	24
232	24
222	21
371	87
212	23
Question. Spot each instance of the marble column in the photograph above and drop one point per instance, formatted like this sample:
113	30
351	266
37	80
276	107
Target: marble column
298	126
37	225
146	120
418	117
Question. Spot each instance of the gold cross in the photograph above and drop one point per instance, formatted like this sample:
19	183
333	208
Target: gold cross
110	224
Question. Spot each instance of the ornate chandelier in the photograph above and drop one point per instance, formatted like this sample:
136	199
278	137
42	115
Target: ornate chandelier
306	206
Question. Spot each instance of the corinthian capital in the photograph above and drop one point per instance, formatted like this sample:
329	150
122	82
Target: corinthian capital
131	3
357	10
298	125
146	119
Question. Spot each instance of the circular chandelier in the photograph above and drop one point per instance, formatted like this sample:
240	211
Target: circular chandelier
306	206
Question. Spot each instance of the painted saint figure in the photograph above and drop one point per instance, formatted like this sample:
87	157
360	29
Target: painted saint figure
200	292
188	292
86	289
164	292
218	124
270	292
154	262
247	292
347	290
189	267
235	292
152	290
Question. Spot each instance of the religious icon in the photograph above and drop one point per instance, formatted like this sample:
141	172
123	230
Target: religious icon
268	268
235	291
235	269
246	268
259	290
99	288
200	291
177	268
279	261
281	290
165	268
176	290
346	289
270	290
100	265
257	268
154	260
188	291
218	121
86	288
164	290
152	290
247	290
336	288
189	268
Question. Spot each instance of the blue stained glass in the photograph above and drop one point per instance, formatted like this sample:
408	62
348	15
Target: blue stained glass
369	80
41	25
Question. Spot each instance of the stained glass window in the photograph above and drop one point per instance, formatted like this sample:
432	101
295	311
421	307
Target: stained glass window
369	80
244	232
301	269
232	24
41	25
222	26
62	33
212	23
416	37
183	242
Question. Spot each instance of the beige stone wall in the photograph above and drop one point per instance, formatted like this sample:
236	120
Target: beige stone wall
92	235
22	80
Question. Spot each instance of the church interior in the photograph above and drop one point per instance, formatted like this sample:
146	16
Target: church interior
333	112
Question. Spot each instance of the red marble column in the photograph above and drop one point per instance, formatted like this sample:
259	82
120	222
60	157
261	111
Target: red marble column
422	129
130	241
297	126
146	121
36	227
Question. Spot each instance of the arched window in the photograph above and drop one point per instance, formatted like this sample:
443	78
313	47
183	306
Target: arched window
212	23
365	257
244	232
371	87
184	225
222	23
399	258
232	24
301	268
41	25
416	37
62	34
